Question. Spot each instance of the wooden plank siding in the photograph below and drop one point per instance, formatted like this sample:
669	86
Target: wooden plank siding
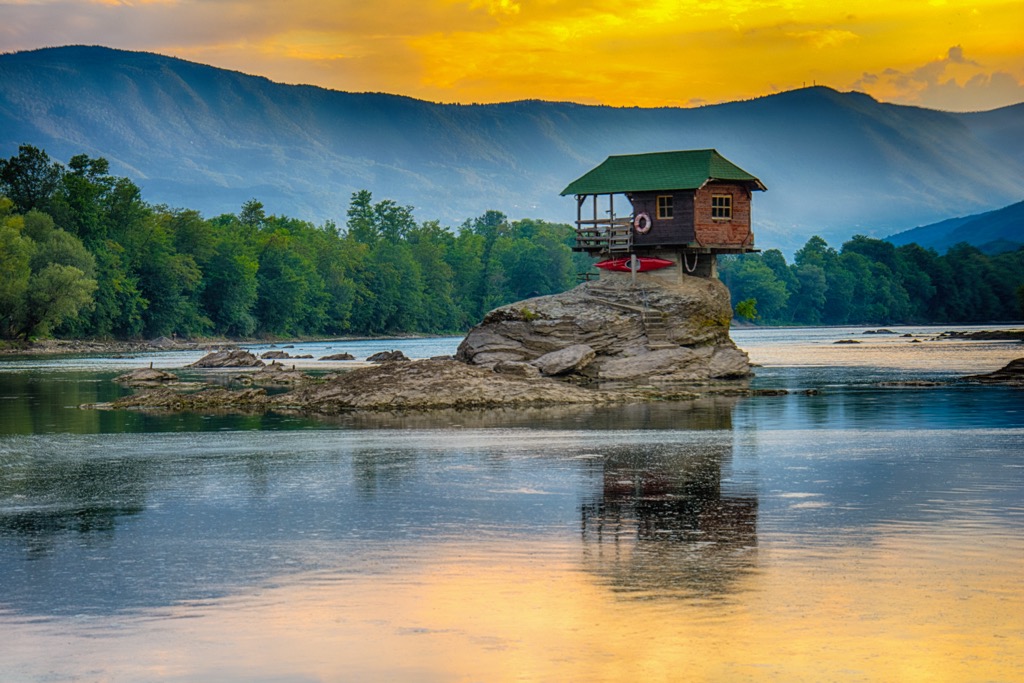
677	231
691	227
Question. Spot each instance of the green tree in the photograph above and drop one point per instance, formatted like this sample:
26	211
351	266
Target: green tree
230	289
747	309
15	254
30	179
808	302
119	304
55	293
749	278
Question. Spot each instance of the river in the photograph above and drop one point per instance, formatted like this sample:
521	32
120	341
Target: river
856	533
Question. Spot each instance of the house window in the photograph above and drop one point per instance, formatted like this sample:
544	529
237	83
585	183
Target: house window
664	206
721	206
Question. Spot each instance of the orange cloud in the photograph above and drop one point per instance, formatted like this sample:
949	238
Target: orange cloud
630	52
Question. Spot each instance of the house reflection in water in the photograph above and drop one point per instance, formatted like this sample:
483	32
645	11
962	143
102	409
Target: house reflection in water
665	524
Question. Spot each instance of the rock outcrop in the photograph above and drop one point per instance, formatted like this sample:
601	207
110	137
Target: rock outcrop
387	357
984	335
563	361
228	358
655	331
1012	373
277	373
431	384
146	377
413	386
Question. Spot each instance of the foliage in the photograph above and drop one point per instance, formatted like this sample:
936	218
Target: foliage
82	255
870	281
747	309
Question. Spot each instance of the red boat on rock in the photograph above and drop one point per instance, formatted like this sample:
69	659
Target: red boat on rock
643	264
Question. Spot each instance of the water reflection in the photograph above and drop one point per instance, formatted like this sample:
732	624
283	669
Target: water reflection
87	497
664	523
709	412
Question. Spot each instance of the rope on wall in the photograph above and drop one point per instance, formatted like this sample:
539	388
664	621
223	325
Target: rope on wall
686	262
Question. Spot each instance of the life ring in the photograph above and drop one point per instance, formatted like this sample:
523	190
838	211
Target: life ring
642	223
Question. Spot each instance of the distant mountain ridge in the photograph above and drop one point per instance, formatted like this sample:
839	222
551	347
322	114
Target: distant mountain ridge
992	231
200	137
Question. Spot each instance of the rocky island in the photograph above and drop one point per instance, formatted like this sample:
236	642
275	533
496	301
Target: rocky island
615	330
611	340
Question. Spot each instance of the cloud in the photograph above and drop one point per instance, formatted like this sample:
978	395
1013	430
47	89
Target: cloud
822	38
620	52
952	82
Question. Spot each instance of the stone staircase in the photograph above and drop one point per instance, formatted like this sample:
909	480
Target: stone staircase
654	326
653	321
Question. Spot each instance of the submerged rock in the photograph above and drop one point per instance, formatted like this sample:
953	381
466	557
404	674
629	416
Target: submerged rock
677	331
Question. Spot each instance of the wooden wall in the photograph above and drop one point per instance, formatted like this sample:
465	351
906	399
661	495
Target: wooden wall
679	230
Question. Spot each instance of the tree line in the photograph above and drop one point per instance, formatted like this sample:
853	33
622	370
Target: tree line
83	256
871	281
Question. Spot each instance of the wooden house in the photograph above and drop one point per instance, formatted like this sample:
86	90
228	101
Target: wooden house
679	206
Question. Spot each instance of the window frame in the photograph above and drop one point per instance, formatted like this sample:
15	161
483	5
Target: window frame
722	211
665	211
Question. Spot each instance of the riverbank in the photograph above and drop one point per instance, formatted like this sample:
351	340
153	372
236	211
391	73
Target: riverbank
47	347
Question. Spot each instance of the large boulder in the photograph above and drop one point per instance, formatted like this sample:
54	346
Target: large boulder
570	359
666	330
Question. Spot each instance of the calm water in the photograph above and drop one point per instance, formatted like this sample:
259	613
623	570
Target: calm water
863	533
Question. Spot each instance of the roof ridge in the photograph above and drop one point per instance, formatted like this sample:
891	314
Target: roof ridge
685	169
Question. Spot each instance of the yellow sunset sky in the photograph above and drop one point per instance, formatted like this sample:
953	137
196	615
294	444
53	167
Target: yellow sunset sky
943	54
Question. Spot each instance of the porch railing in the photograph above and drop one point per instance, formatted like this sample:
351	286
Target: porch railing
611	235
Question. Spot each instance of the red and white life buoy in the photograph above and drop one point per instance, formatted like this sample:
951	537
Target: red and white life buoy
642	223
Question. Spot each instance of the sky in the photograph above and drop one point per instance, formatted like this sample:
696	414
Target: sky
942	54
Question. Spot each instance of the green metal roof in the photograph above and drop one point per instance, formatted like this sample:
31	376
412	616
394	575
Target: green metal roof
685	170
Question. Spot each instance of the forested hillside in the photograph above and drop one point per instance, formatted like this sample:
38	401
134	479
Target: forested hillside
83	255
869	281
191	135
992	232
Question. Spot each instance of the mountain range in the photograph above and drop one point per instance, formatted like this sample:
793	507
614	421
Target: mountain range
992	231
195	136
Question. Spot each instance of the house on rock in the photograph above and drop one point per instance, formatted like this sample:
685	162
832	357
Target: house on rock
684	208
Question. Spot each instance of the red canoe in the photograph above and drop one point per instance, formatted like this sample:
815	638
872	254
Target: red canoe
645	263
